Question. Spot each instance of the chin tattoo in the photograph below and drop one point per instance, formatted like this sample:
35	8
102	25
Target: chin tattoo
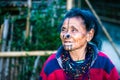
68	47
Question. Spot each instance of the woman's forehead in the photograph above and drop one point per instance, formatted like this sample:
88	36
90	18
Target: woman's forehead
77	21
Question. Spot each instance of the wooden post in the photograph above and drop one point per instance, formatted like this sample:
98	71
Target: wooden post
69	4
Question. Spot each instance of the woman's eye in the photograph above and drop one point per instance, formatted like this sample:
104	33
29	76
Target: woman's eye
74	30
63	29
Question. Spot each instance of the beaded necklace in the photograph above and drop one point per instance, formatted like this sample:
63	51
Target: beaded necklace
75	70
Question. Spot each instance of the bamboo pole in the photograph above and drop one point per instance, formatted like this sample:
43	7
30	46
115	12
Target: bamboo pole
16	69
26	53
69	4
1	30
12	62
3	47
103	28
28	20
7	60
5	34
35	68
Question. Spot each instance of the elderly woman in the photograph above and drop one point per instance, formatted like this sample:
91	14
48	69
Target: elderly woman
79	57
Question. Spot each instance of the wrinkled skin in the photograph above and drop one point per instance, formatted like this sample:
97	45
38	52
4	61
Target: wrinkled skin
74	36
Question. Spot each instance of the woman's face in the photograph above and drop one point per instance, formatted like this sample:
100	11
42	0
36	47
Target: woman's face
74	35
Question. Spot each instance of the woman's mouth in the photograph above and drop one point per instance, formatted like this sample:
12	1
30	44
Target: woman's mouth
67	42
68	45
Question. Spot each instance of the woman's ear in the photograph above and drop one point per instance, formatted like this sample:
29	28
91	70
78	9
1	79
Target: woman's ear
90	35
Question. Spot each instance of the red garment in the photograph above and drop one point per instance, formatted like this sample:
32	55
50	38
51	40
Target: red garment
102	69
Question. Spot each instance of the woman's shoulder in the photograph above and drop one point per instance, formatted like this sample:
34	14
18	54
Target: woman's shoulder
104	60
102	54
51	61
51	64
51	57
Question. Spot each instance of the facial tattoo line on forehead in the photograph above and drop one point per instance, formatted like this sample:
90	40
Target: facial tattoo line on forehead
69	46
68	22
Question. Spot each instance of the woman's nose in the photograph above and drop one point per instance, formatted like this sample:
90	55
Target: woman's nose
66	36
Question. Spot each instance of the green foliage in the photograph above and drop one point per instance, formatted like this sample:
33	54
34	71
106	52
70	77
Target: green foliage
45	29
44	23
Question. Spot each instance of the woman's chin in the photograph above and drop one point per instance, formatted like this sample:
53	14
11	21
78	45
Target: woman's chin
68	47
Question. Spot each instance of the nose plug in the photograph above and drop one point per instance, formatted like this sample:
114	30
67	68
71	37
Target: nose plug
67	36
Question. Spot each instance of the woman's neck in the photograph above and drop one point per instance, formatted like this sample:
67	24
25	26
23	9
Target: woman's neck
78	54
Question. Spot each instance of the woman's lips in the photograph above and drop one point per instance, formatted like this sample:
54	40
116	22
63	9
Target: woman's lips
67	42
